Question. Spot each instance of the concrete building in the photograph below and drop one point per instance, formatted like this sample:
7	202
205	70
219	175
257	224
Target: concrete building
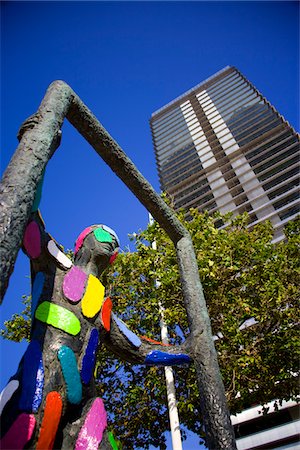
222	146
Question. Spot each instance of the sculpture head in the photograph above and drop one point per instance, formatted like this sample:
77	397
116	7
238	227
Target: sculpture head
96	247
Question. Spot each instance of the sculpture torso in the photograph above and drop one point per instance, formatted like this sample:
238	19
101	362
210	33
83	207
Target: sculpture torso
51	400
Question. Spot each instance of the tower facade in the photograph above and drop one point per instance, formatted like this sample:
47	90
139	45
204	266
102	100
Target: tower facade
221	146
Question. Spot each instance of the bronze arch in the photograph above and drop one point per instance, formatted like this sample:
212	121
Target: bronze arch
18	190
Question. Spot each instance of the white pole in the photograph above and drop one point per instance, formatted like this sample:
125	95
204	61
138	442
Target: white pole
170	385
173	410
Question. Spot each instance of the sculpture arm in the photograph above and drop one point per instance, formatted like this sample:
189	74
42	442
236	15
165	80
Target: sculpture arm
128	346
44	253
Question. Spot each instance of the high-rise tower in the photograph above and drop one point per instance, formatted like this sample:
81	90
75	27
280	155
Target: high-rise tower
221	146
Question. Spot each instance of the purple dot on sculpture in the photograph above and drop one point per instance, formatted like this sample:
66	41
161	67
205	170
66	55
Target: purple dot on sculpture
32	240
19	433
74	284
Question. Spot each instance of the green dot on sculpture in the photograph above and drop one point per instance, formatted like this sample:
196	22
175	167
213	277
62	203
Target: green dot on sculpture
58	317
102	235
112	441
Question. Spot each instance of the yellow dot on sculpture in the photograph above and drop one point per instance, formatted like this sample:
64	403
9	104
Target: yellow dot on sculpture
93	297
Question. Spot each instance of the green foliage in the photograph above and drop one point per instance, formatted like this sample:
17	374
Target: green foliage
244	276
18	327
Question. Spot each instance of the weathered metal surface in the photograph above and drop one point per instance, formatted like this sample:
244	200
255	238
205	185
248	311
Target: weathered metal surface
218	429
24	172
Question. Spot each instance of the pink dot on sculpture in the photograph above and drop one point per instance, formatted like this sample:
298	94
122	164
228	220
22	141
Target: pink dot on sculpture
95	423
81	238
19	433
74	284
32	240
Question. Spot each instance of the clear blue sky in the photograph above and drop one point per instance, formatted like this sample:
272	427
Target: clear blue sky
125	60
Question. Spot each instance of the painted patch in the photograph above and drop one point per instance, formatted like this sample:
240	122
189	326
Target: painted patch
74	284
32	378
81	237
106	228
37	290
58	317
106	313
113	257
38	395
38	194
102	235
93	297
71	375
32	240
112	441
60	257
50	422
133	338
7	393
157	358
95	423
19	433
89	359
145	338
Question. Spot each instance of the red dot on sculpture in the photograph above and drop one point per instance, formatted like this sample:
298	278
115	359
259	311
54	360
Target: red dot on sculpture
113	257
32	240
52	415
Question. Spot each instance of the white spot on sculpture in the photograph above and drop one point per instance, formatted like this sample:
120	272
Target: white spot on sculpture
7	393
59	255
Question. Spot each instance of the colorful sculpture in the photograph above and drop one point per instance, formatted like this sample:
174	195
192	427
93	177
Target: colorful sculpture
51	401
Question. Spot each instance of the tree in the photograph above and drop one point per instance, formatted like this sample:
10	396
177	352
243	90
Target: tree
244	277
